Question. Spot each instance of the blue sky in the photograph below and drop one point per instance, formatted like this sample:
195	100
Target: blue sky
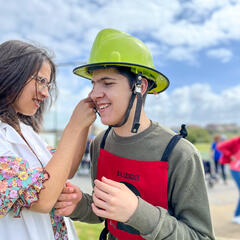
196	44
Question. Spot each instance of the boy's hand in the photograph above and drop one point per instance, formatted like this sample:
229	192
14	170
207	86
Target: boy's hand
68	200
113	200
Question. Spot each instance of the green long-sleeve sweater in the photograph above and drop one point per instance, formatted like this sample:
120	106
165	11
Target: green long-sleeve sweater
188	216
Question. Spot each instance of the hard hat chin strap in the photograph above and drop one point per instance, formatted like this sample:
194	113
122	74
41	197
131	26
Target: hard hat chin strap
138	92
127	112
135	92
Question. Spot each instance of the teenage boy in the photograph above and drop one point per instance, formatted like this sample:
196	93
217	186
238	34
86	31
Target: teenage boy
148	182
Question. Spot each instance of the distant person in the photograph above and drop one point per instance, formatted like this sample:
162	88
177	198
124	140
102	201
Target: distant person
31	178
85	164
216	154
144	189
230	150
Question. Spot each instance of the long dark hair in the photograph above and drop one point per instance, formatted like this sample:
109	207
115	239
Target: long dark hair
18	62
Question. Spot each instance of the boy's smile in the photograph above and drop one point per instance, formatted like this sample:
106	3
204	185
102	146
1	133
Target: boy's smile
111	94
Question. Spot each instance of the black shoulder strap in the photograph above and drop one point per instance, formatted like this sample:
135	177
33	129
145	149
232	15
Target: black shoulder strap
172	143
102	145
104	233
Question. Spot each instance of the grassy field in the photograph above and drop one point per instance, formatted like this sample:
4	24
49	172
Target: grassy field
204	149
88	231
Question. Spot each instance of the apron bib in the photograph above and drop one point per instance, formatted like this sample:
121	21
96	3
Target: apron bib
146	179
140	177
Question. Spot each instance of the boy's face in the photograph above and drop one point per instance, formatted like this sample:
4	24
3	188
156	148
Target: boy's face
111	94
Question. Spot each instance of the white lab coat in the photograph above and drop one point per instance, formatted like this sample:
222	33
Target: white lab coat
31	225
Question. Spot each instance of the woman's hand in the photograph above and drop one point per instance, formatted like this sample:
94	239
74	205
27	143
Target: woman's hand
84	114
113	200
68	200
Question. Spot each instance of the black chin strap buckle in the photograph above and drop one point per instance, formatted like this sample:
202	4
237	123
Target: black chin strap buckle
135	127
138	92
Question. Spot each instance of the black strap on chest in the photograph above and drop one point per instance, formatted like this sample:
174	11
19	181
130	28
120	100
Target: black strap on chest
104	233
172	143
102	145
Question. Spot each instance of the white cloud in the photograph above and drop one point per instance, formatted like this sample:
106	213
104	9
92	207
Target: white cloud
204	7
181	54
195	104
224	55
173	29
69	27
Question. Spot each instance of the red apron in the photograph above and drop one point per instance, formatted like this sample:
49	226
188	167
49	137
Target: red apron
147	179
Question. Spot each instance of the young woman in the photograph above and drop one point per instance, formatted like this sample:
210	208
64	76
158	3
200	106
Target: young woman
31	178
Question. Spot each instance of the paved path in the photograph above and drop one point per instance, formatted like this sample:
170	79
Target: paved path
83	181
222	198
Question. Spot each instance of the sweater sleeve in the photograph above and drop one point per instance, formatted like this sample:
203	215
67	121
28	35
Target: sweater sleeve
19	185
188	200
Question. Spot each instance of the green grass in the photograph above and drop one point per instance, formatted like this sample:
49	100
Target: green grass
204	149
87	231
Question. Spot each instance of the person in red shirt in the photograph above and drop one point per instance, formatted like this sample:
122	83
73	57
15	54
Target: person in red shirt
231	154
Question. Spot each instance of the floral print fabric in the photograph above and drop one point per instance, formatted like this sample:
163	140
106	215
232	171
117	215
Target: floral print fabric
20	187
59	226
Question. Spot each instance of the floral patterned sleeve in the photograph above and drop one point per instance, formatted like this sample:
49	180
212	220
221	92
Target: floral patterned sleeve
52	150
19	185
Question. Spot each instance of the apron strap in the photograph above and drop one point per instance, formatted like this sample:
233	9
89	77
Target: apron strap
102	145
172	143
103	235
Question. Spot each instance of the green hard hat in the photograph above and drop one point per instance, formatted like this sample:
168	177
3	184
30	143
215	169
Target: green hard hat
115	48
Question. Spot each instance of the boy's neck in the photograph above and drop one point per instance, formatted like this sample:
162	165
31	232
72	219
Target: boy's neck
125	130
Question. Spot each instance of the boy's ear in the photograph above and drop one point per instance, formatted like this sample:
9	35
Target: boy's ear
144	85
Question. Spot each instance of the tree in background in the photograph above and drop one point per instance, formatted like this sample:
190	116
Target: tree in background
198	135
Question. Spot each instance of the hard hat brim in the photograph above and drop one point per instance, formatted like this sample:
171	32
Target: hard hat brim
160	79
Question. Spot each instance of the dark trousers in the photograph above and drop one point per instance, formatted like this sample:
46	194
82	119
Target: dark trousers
222	167
236	177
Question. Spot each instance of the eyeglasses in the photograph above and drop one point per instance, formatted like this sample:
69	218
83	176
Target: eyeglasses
42	82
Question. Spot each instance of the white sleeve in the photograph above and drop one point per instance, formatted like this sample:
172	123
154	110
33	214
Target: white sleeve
5	148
